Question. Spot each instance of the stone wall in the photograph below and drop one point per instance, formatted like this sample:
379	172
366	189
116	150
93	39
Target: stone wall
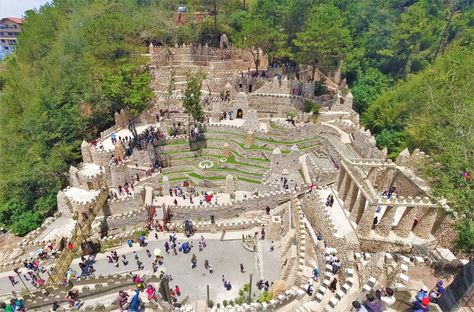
233	210
123	205
364	144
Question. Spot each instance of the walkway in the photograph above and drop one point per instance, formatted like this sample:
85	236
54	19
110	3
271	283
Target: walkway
343	225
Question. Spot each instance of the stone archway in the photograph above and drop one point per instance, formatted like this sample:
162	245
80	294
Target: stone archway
240	114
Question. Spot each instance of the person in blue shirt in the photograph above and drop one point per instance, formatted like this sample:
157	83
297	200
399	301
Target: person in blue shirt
136	302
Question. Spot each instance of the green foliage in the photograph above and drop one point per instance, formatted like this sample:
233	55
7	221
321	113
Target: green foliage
257	34
324	39
127	86
224	303
465	240
265	296
320	87
2	82
307	105
367	88
26	222
192	95
394	141
76	63
311	107
315	109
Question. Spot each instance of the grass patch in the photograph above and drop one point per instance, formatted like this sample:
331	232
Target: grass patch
248	180
178	179
236	170
200	177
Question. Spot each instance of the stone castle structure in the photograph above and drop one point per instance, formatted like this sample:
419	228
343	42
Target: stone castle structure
382	209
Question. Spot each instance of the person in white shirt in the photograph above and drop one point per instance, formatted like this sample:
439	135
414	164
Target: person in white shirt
387	297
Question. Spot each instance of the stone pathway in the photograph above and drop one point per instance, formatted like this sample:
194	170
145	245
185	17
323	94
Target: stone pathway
343	224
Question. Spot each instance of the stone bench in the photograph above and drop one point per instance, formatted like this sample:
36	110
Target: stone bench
346	288
333	302
372	281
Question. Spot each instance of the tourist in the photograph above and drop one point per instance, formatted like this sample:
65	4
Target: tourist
135	255
124	260
436	292
423	293
122	301
177	290
372	304
386	296
151	292
358	307
336	265
242	270
267	210
315	273
262	232
148	253
211	270
309	289
130	243
332	258
140	265
333	285
227	285
272	246
136	303
206	264
72	297
421	306
193	261
12	280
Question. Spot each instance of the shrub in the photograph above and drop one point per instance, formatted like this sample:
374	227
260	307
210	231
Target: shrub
210	304
231	302
308	106
224	303
315	109
265	296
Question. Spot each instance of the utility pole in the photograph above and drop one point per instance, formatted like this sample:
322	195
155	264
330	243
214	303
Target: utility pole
250	290
208	296
19	276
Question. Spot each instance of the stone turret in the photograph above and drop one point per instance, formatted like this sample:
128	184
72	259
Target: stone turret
86	152
74	176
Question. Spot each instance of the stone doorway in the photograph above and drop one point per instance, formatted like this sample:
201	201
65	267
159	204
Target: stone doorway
240	114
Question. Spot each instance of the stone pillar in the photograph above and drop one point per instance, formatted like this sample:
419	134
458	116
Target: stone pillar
166	185
345	186
358	208
230	185
424	227
250	139
340	178
351	196
226	150
86	152
406	222
366	221
386	223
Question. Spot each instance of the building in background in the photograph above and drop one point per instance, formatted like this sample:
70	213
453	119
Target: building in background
10	28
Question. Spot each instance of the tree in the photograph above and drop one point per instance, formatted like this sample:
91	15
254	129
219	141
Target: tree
324	39
127	87
367	88
192	95
258	36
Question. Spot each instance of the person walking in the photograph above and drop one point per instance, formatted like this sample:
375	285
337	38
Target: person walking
242	270
122	301
333	285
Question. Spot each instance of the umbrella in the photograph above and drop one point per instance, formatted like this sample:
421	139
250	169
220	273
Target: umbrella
157	252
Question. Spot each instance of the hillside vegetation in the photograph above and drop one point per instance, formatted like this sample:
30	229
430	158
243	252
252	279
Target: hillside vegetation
409	65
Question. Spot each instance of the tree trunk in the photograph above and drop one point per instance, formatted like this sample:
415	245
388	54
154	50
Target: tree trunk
257	61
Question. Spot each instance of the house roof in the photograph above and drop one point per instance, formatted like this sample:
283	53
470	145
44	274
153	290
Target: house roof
17	20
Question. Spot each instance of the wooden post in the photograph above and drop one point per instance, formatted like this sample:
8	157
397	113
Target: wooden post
250	290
